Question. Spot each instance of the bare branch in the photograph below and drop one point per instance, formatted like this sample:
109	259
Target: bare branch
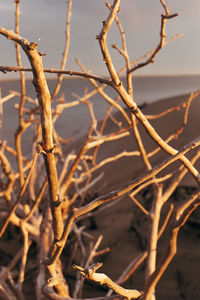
90	273
102	41
55	71
66	49
162	42
23	189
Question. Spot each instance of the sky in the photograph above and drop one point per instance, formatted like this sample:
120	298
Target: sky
44	22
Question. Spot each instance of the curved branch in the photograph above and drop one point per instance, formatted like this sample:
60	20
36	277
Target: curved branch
161	44
102	42
90	273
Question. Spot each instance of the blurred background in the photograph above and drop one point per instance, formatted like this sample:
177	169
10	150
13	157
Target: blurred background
44	22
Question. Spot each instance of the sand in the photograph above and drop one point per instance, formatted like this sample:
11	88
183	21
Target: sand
122	227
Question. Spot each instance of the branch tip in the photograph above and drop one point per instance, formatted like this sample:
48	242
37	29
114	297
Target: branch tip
42	54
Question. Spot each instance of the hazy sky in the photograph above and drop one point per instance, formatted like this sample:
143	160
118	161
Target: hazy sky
44	21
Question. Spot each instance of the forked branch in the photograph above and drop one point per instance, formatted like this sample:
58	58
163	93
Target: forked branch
90	273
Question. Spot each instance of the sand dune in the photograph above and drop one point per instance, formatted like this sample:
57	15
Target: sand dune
119	223
119	173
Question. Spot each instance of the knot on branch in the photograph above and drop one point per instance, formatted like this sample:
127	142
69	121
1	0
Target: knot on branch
169	16
134	109
57	202
52	282
40	149
33	46
74	210
88	272
163	35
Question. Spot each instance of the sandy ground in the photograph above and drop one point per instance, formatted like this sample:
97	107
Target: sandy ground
121	226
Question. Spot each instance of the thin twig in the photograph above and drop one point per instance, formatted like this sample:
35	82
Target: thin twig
23	189
55	71
66	49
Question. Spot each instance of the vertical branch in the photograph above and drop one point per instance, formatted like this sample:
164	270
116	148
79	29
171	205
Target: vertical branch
102	42
7	170
24	256
65	53
23	189
1	112
153	236
46	147
68	181
156	206
178	219
2	100
21	127
124	53
44	242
